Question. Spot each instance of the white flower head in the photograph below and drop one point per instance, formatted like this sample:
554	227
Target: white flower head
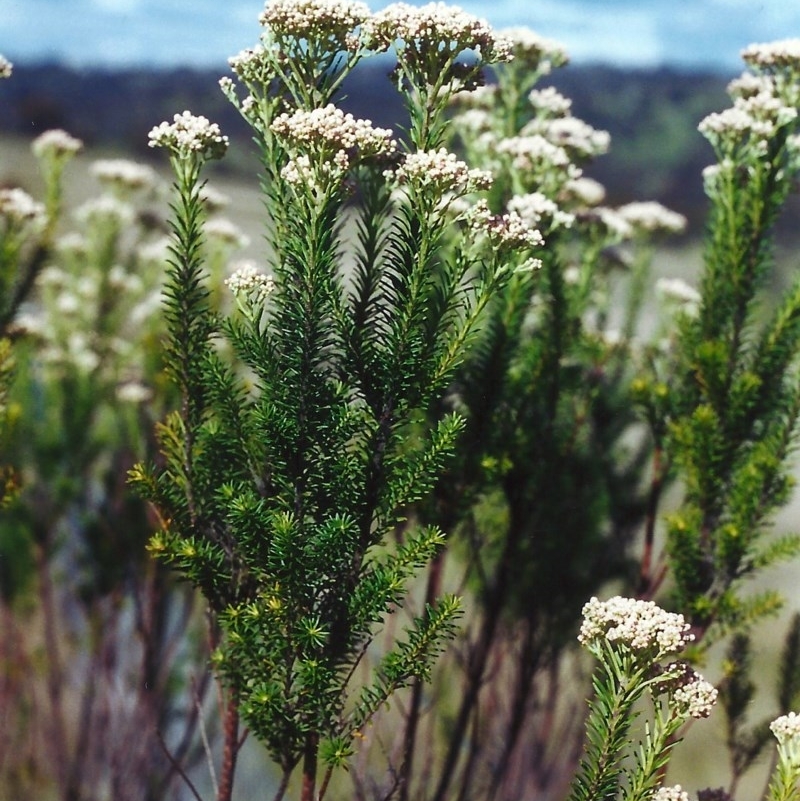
504	231
326	130
57	144
133	392
536	207
6	67
252	65
223	231
782	54
535	51
572	134
435	28
747	85
690	695
674	793
124	174
533	152
650	217
105	210
786	729
442	172
213	199
248	282
583	191
755	117
190	136
331	21
677	290
155	252
550	102
640	626
19	208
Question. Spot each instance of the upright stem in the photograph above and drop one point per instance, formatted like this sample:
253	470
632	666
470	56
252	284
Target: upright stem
310	767
412	723
230	749
654	497
54	671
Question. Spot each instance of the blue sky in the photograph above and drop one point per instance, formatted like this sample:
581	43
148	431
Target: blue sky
685	33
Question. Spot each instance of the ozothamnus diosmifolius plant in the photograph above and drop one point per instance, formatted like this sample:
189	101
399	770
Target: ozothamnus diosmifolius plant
723	407
630	640
289	466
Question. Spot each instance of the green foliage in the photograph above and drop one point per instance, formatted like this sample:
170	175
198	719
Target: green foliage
733	409
288	468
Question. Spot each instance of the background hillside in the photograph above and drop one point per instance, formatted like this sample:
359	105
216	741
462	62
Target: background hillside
651	115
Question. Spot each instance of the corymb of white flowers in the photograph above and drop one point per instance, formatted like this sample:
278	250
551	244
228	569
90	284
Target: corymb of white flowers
247	282
505	232
786	729
330	21
124	175
435	28
188	136
534	50
694	697
674	793
19	208
640	626
6	67
782	54
651	217
325	131
441	171
55	144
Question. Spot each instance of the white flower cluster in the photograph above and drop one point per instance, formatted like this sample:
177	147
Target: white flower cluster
536	207
189	135
133	392
786	729
676	289
124	174
253	64
533	152
55	143
783	54
611	221
17	206
584	191
747	85
550	102
105	210
213	199
694	698
224	232
249	282
315	20
442	172
435	27
6	67
505	231
535	51
758	116
327	130
641	626
650	217
572	134
674	793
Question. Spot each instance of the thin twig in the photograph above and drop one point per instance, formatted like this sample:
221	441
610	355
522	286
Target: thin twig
201	725
180	771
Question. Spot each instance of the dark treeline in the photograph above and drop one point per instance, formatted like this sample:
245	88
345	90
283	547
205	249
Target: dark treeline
652	116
